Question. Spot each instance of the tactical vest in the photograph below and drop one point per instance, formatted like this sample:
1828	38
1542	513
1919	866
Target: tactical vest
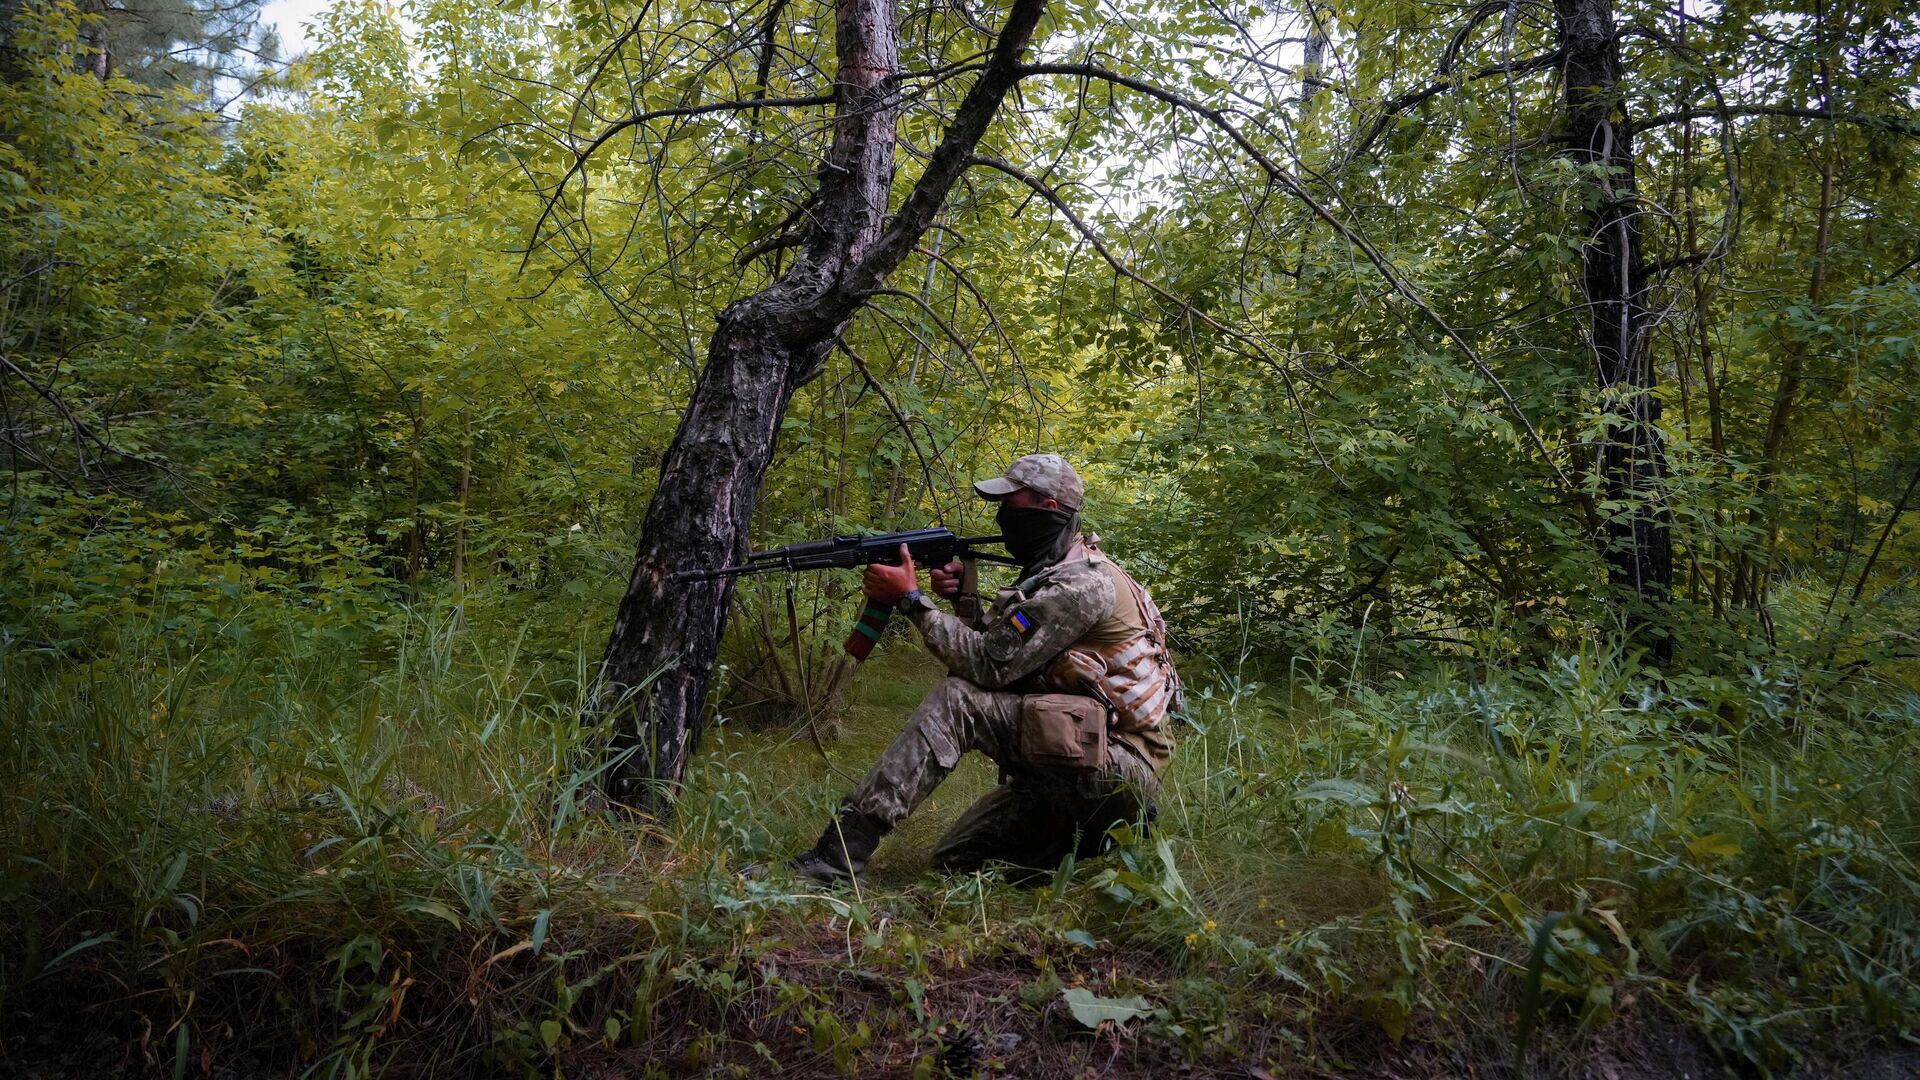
1122	660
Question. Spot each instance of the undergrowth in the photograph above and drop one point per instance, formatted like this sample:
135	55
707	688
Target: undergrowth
272	853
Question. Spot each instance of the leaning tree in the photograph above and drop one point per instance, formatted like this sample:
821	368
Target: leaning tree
846	236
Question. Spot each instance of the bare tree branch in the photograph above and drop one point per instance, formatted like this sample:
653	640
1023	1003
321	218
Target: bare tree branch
1403	102
986	308
966	347
904	419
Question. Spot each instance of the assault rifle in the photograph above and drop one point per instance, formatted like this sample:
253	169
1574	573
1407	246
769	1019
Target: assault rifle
927	547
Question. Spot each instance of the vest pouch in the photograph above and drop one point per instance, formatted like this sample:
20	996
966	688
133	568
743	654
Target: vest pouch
1067	731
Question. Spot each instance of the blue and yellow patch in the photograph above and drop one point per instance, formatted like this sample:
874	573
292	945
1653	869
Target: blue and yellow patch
1019	621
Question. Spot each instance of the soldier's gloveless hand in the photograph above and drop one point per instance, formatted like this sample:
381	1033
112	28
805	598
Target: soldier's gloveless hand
945	580
885	585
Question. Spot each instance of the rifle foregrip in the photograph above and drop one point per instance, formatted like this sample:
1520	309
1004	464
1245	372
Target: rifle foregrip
866	632
967	604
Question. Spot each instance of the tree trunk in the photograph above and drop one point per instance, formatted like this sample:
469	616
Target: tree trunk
659	658
1313	58
460	525
1638	542
666	636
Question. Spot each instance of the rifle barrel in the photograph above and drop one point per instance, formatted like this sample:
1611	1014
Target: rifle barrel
825	554
726	571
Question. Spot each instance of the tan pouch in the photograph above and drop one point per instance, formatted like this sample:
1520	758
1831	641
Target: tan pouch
1066	731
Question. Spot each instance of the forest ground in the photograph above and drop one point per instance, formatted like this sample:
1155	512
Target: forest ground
984	1001
283	860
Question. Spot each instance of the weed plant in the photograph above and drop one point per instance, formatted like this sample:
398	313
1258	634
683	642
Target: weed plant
280	854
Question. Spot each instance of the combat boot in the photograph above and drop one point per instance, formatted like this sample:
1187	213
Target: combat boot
843	849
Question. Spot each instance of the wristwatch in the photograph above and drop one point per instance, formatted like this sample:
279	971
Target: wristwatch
912	602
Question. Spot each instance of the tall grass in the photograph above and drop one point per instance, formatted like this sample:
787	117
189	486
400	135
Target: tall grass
389	858
281	830
1585	833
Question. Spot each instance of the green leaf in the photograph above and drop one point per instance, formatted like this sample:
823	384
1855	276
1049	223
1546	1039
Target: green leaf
1344	791
1530	991
1712	844
435	909
1093	1010
79	947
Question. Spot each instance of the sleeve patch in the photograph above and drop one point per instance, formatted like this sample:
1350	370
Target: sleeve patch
1021	623
1003	642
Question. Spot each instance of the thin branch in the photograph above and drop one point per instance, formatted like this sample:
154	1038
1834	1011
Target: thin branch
1662	266
1898	125
1053	199
1412	98
905	420
80	428
966	347
764	70
1294	187
985	307
779	241
580	157
1904	267
1893	519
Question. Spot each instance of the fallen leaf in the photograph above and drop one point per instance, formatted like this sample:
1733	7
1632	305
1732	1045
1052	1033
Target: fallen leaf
1093	1010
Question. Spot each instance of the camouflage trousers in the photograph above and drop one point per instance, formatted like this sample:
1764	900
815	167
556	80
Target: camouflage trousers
1037	814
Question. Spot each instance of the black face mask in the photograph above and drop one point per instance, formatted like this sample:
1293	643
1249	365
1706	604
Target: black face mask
1035	535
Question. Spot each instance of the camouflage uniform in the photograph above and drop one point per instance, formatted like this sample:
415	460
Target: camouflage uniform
1038	813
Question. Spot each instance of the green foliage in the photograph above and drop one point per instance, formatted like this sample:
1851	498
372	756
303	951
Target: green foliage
325	450
1321	452
1594	838
344	851
274	367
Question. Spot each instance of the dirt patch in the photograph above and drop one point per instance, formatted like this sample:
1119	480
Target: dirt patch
804	1010
1005	1017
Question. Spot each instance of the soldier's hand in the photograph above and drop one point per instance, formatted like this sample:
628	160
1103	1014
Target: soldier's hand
885	585
946	580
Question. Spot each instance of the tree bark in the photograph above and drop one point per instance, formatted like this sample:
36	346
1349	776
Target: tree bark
1313	59
659	659
460	525
1638	544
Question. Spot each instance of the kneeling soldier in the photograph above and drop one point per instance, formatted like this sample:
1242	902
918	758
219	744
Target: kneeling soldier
1064	682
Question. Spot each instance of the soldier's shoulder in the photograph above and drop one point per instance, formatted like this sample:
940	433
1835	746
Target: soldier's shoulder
1071	575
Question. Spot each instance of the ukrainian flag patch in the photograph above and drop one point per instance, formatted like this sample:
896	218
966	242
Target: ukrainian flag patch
1019	621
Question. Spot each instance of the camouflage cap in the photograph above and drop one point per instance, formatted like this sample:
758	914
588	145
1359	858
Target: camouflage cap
1048	474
